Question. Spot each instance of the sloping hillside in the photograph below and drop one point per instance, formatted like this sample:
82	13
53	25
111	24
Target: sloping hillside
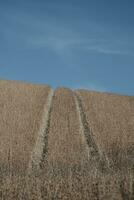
111	118
21	109
65	144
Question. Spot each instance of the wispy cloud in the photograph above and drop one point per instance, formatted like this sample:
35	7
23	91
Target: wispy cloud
98	45
60	35
45	33
103	50
54	43
60	45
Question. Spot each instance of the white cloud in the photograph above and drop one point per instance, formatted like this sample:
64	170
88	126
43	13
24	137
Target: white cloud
61	44
51	42
48	32
100	49
61	38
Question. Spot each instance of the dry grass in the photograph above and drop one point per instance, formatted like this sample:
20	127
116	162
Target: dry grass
41	141
21	109
111	118
66	173
73	133
65	141
69	172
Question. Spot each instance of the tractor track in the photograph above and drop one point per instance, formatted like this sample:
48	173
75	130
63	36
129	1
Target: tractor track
94	152
39	153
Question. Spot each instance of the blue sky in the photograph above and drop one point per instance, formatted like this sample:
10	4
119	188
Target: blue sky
73	43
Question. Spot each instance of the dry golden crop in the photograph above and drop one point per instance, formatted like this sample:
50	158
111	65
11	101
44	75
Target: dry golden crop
64	144
21	110
111	118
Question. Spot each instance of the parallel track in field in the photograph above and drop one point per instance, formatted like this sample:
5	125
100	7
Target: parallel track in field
40	149
93	150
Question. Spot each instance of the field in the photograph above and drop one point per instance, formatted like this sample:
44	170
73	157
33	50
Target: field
65	144
111	118
21	110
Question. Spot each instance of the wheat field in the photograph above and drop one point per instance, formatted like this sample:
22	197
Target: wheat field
64	144
112	120
21	110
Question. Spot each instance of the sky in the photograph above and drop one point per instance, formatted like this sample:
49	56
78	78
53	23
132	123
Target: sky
71	43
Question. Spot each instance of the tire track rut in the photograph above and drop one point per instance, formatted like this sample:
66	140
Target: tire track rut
93	150
39	153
